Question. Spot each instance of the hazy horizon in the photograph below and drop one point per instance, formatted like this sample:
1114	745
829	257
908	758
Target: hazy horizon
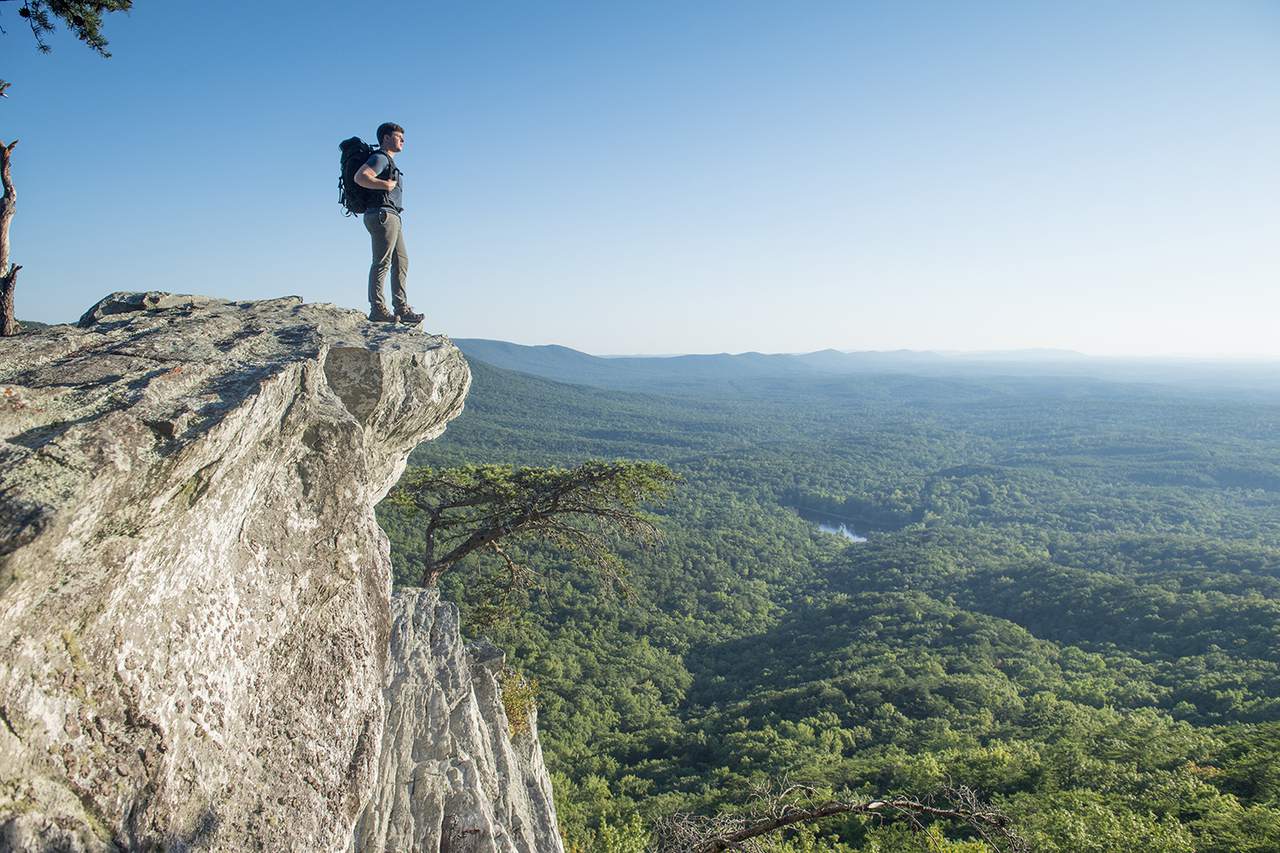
1040	353
666	178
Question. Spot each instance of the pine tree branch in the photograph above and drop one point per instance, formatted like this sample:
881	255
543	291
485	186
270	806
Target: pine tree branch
472	508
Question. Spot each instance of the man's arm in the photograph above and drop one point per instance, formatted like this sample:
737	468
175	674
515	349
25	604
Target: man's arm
368	179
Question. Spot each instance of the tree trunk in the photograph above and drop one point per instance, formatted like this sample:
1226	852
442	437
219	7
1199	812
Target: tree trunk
8	322
8	272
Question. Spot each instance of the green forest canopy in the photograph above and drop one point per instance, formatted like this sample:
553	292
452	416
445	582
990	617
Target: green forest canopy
1068	600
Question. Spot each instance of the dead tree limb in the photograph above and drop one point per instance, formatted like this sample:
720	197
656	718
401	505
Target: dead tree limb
774	811
8	272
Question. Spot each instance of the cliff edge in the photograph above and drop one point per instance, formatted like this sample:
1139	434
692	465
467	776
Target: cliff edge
195	597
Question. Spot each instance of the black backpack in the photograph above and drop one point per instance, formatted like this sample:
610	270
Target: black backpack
355	198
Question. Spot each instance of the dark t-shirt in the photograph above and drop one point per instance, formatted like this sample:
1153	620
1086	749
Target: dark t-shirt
378	162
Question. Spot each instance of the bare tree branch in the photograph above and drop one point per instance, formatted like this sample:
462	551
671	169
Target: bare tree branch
774	810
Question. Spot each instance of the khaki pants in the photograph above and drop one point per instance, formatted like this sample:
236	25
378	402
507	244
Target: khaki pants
389	253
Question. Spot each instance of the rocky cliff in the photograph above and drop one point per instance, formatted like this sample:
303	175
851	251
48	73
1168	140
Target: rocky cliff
195	604
451	777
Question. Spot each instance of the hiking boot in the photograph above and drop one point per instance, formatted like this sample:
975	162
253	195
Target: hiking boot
381	315
408	316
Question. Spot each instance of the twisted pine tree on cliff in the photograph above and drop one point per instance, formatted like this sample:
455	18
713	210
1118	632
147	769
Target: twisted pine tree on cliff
481	508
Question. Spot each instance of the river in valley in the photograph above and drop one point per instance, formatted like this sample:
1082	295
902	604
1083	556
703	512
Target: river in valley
831	524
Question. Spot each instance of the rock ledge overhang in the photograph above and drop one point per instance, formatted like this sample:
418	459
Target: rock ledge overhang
194	591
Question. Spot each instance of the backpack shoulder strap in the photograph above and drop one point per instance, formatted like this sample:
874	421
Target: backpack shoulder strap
391	162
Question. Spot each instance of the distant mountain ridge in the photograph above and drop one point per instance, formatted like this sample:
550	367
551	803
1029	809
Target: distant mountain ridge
569	365
564	364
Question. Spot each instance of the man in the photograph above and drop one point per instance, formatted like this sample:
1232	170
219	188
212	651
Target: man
382	219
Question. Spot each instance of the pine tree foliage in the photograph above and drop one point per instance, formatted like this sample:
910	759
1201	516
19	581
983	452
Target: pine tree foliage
82	17
482	508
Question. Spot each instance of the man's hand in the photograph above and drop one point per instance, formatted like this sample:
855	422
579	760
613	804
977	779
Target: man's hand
367	179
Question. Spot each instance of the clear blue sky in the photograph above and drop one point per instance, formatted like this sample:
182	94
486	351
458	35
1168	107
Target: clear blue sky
632	177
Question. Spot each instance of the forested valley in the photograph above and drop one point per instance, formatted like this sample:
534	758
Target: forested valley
1068	600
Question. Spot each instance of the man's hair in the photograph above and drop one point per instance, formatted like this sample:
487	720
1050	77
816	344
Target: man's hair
387	128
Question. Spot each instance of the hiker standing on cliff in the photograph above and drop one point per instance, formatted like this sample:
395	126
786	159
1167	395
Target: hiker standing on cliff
380	174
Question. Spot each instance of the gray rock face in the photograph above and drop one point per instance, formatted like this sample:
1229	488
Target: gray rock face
450	777
194	592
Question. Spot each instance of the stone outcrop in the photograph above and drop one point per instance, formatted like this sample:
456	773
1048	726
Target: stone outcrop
449	775
195	597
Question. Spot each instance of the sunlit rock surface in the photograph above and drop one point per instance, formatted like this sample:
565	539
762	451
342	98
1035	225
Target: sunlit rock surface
450	777
194	592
